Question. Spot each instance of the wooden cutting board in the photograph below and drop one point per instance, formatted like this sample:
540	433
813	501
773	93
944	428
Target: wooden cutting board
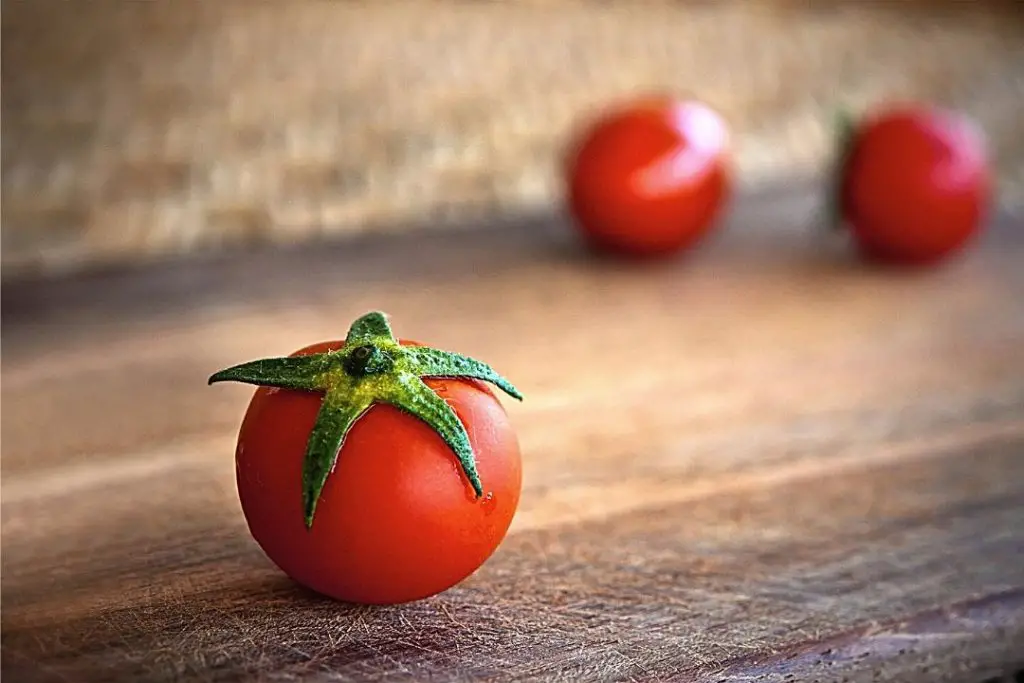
806	470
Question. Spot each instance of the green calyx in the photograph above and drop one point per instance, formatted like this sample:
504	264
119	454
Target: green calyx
845	126
372	367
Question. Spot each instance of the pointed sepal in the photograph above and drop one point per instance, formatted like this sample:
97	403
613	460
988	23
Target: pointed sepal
425	361
292	372
416	398
332	425
372	327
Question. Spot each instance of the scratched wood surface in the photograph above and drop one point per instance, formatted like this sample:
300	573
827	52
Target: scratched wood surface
762	462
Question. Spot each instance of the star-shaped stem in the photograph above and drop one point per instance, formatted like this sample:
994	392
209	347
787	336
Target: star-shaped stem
372	367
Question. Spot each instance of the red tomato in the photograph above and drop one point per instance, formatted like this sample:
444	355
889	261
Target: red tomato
915	184
650	178
396	520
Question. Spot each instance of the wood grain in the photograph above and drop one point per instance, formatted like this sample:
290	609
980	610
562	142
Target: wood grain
810	471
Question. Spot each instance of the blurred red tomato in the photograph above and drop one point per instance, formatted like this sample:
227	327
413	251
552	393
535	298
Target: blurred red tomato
914	185
649	177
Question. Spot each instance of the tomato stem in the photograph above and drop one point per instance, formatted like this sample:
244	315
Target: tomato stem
372	367
368	360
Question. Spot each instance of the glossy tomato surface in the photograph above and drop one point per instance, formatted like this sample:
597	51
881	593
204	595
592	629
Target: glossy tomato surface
397	520
916	184
650	177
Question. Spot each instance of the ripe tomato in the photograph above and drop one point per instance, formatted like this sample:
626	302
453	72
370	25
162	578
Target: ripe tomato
650	177
914	184
396	519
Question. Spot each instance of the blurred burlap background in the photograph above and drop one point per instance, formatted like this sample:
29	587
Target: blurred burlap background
134	129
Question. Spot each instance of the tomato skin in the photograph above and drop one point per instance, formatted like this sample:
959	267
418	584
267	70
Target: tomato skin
397	520
916	185
649	177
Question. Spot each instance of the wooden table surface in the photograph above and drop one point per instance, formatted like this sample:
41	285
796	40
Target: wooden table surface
809	471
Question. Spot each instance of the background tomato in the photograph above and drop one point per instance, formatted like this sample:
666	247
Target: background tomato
915	184
397	520
650	177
